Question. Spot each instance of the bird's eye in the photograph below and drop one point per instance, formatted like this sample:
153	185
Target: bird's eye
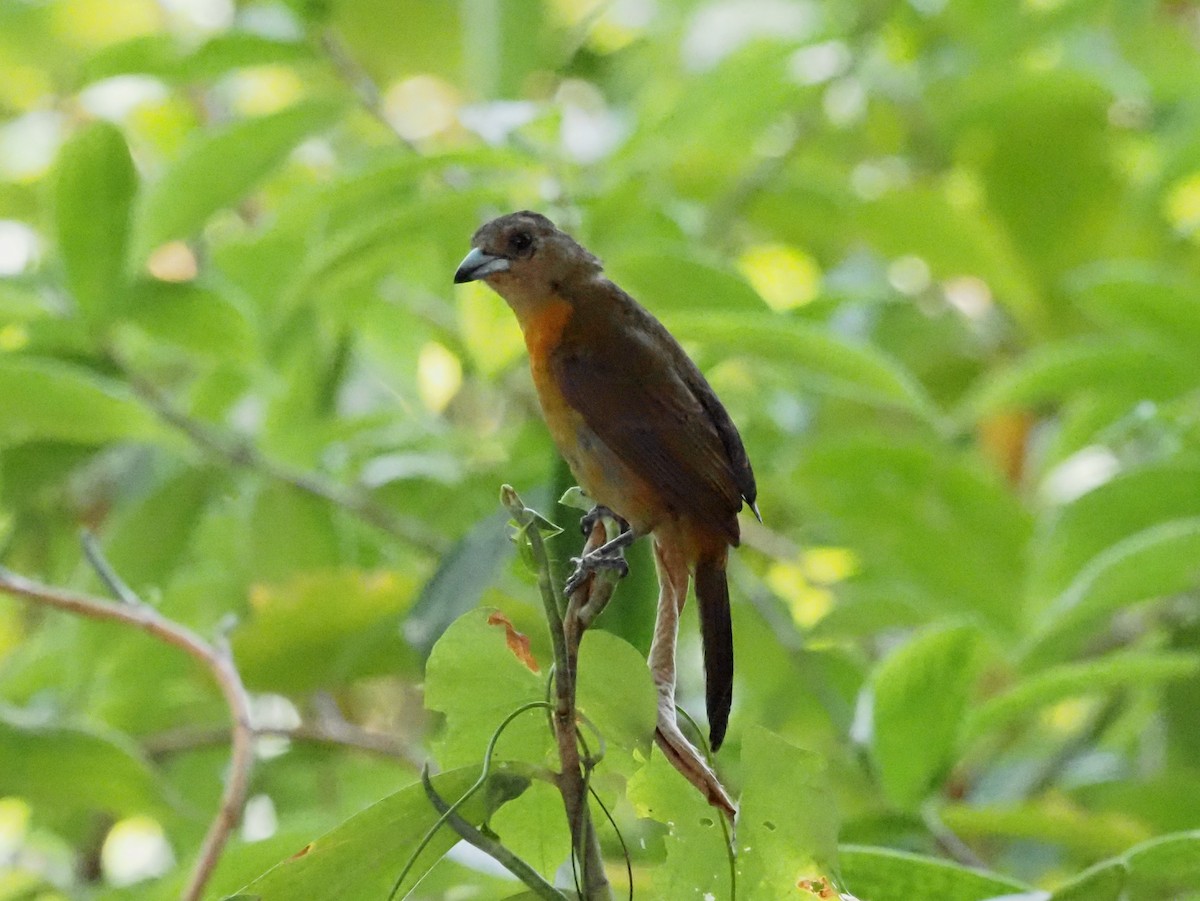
520	242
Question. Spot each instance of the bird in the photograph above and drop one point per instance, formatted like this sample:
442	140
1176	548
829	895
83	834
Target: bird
645	436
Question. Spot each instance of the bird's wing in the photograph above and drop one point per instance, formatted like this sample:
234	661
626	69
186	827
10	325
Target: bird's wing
640	394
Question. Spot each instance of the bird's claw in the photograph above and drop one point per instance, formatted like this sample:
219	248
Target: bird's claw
588	521
590	563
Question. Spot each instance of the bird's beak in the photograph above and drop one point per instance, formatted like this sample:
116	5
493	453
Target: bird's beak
477	265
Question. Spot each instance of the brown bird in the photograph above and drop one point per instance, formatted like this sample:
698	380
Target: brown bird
644	435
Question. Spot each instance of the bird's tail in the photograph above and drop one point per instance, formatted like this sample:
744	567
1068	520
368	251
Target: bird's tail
716	633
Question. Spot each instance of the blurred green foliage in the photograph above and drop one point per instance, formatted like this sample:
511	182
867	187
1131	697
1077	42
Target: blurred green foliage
939	258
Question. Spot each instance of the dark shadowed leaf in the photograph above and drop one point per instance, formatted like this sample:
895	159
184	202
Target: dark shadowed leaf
459	582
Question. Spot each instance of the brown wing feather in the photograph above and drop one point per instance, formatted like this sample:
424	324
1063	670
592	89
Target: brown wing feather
656	412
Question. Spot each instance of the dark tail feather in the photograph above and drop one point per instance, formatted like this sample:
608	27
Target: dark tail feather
716	633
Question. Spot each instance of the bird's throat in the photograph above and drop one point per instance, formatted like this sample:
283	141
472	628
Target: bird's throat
542	325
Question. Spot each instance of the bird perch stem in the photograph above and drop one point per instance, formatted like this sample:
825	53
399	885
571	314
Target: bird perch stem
566	634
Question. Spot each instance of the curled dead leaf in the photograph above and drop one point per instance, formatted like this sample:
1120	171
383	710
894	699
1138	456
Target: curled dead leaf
518	642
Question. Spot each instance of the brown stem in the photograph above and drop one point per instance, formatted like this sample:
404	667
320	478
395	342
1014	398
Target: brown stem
216	658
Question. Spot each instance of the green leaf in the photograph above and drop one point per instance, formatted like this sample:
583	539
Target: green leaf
93	198
919	701
933	500
534	827
239	50
1126	669
1158	562
146	540
697	856
1045	151
192	317
615	691
923	221
881	874
1131	502
676	281
1124	367
1164	867
423	238
1054	821
291	621
1147	299
476	679
1103	882
290	533
48	400
361	859
788	819
819	360
219	168
75	771
148	54
168	58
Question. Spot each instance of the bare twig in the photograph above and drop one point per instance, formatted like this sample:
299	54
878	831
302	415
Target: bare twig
216	658
239	452
511	862
566	632
108	575
953	846
359	81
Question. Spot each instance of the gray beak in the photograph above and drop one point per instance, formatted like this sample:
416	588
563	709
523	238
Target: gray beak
477	265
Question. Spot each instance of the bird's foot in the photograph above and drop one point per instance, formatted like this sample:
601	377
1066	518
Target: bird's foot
685	757
588	521
594	562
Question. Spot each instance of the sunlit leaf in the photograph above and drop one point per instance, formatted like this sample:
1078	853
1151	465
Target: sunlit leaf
788	820
1057	822
696	852
93	199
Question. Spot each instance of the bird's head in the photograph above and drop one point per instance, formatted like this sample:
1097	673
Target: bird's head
523	256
